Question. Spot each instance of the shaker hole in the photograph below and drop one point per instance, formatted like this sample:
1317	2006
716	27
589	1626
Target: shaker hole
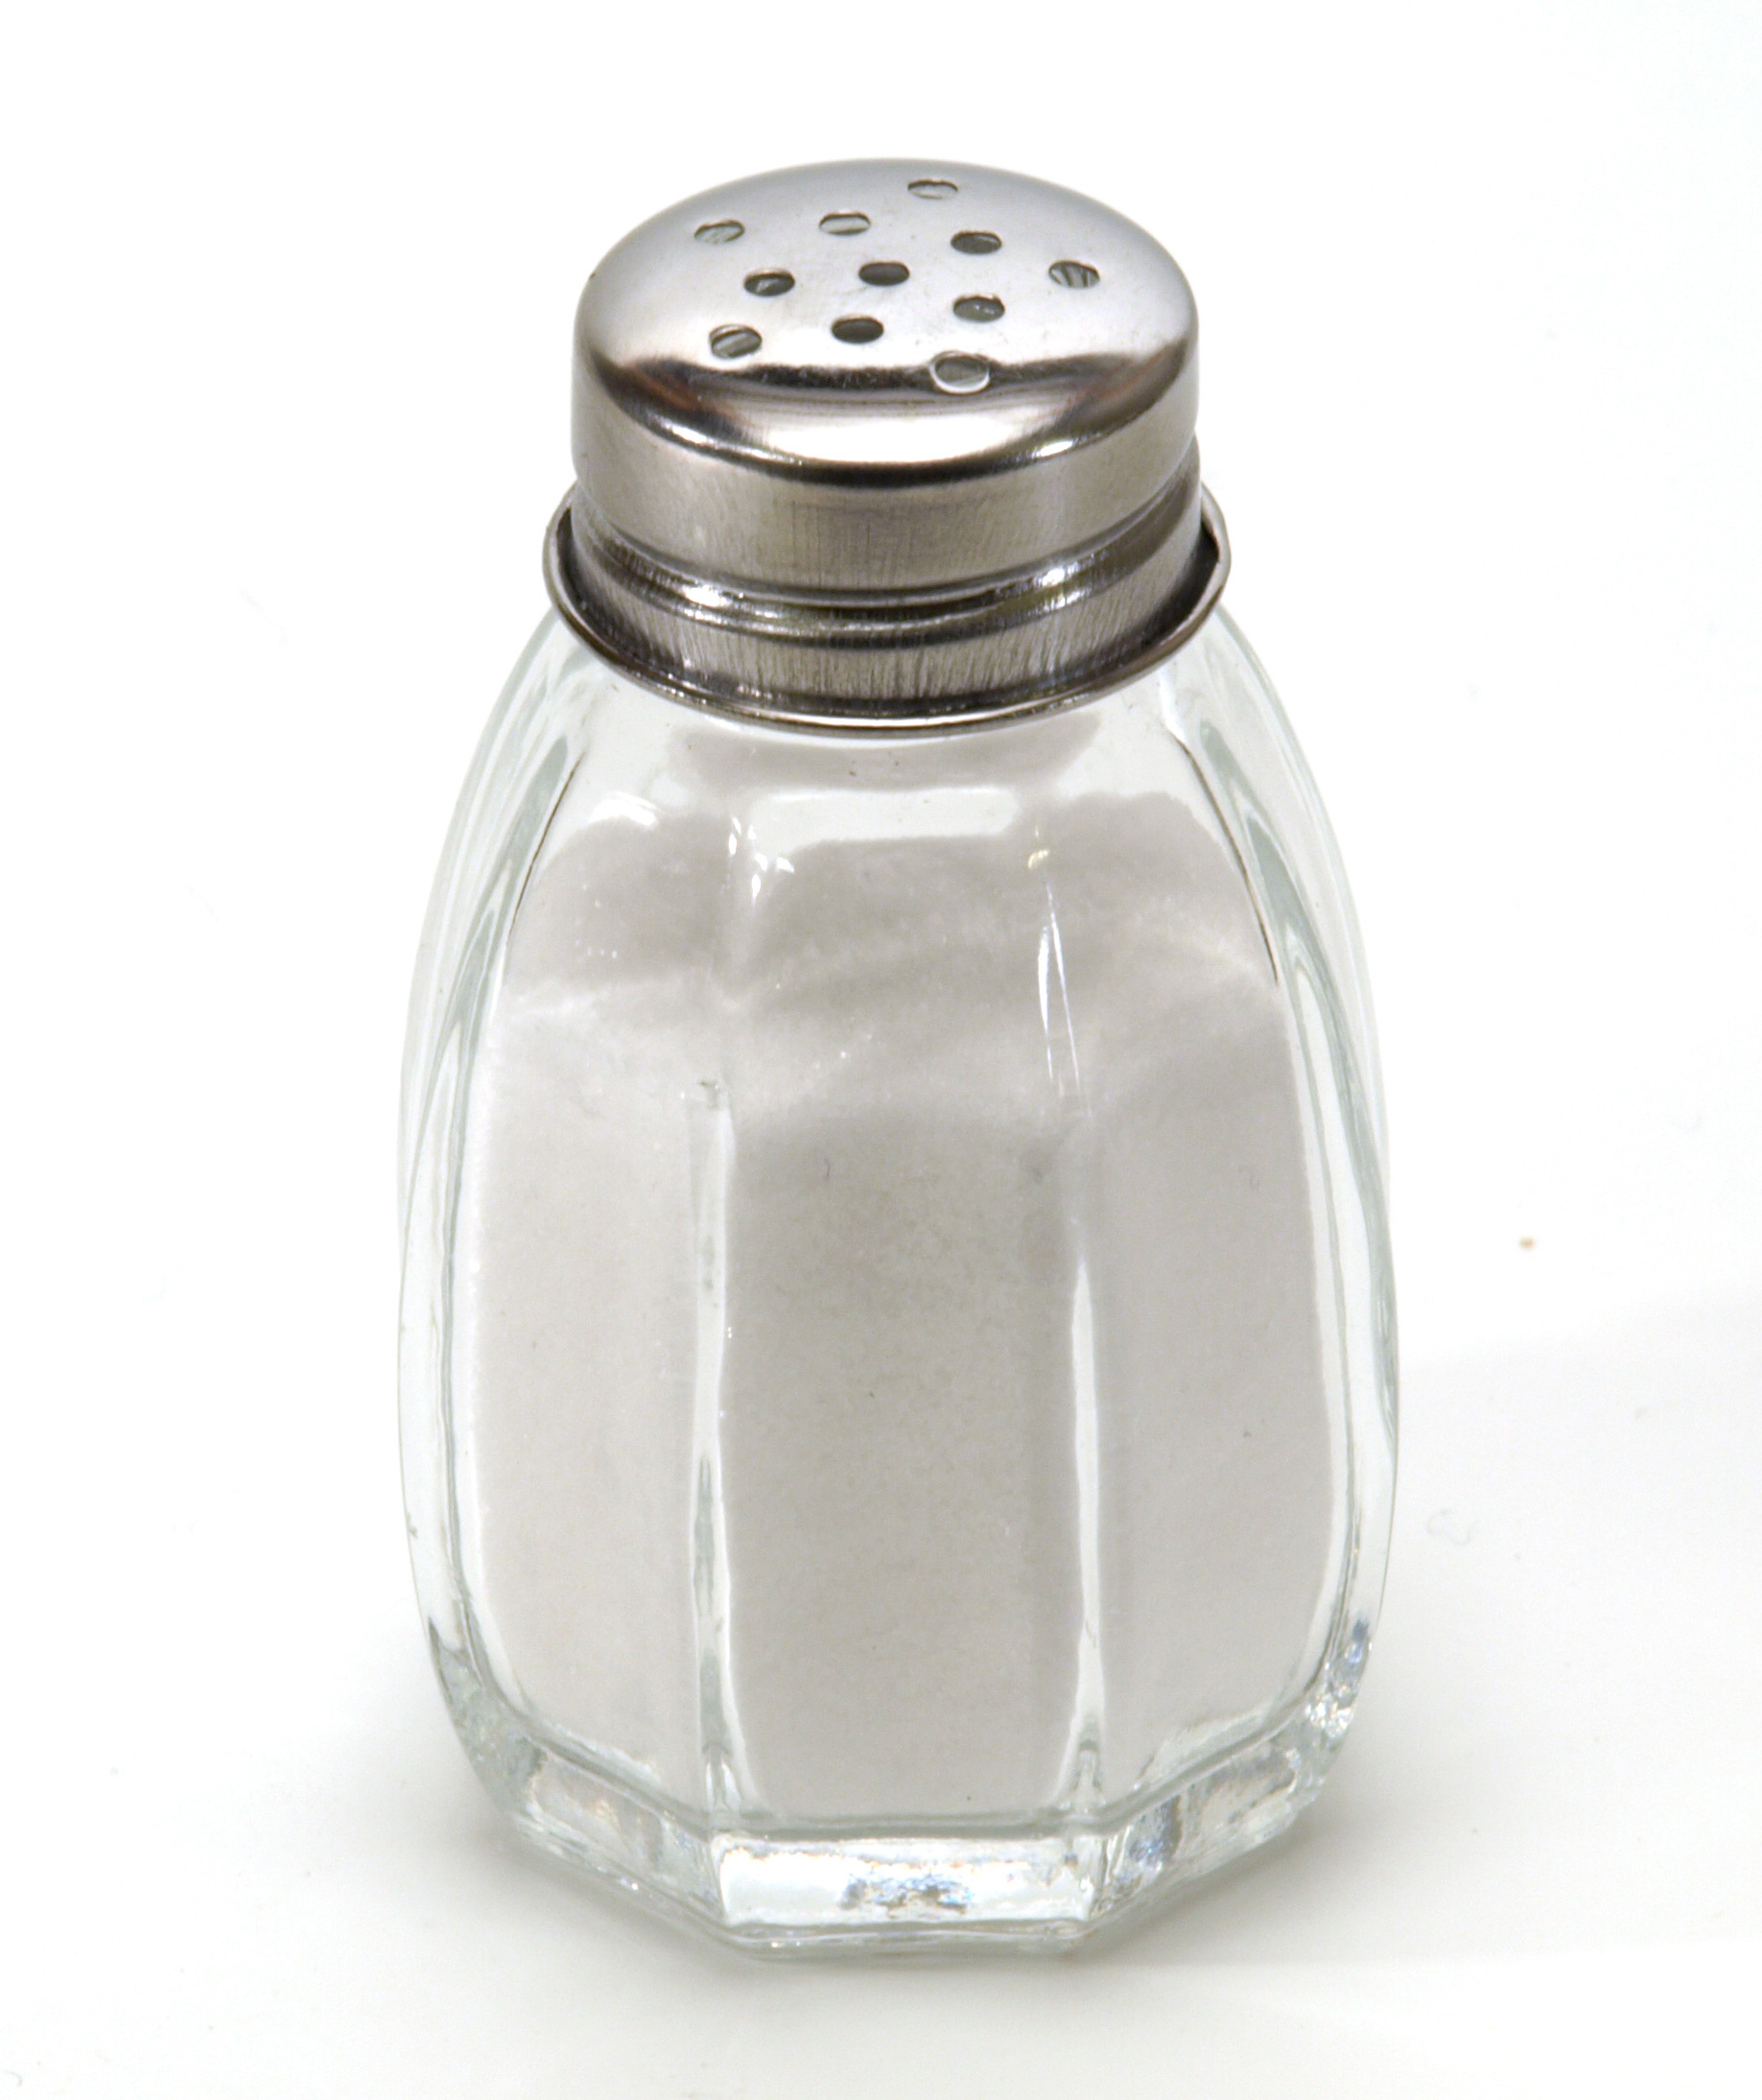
933	187
956	373
975	244
718	232
883	273
845	222
735	341
979	308
770	284
856	328
1074	277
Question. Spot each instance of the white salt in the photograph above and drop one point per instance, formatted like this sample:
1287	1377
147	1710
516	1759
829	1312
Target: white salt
889	1372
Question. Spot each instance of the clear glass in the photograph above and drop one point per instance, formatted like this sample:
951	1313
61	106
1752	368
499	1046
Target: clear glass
897	1344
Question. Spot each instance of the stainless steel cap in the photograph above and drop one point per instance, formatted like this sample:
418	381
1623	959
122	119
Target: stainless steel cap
886	442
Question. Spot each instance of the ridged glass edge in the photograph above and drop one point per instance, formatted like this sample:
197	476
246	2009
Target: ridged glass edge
1221	705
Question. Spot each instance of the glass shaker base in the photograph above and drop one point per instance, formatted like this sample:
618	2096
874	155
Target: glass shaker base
1038	1888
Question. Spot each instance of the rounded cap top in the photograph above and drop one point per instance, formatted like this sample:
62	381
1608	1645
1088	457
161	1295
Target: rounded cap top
885	439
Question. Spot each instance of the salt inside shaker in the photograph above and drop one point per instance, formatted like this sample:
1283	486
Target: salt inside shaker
898	1351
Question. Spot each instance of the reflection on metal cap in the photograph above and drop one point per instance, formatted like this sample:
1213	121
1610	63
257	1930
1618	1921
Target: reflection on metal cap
886	442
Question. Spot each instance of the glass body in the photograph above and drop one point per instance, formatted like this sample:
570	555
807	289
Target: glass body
897	1344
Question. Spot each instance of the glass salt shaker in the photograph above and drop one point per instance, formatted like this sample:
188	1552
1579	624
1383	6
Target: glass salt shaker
898	1354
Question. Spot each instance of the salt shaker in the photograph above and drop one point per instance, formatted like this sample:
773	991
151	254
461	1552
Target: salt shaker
898	1355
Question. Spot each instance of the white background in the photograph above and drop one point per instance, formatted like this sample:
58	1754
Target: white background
285	298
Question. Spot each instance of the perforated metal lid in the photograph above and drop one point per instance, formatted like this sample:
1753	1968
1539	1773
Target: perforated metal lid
886	442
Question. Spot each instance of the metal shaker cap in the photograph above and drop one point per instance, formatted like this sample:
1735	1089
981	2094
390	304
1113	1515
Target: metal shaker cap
886	442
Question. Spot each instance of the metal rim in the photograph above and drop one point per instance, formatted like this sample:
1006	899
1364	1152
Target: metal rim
1188	613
